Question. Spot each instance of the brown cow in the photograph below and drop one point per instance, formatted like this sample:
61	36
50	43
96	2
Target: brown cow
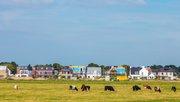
147	87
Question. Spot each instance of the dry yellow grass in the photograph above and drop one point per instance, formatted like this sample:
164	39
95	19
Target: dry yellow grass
58	91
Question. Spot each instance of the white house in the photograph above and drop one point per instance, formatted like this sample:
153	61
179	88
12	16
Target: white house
24	71
165	73
141	73
93	72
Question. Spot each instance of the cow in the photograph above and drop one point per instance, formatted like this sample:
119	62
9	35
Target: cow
110	88
16	87
157	89
136	88
73	87
173	88
85	88
147	87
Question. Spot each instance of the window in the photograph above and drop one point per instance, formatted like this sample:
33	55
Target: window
170	73
136	72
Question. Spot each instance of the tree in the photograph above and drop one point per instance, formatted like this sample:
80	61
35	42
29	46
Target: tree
156	66
12	66
93	65
29	67
103	69
170	66
57	66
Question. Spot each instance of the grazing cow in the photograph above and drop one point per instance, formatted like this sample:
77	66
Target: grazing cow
85	88
173	88
157	89
136	88
110	88
16	87
147	87
73	87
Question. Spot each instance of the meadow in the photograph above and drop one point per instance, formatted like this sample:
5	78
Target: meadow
58	91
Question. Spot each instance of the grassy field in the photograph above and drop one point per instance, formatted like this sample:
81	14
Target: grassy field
58	91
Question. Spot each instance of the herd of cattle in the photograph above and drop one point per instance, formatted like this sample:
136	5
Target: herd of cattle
110	88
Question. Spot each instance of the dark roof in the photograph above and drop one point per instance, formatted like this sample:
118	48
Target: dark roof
66	70
135	69
44	68
24	67
165	70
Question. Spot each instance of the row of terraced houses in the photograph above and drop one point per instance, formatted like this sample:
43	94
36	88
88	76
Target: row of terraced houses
79	72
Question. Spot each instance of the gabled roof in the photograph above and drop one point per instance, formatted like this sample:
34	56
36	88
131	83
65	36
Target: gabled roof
135	69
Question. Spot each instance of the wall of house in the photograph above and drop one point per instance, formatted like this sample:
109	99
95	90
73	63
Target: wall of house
3	74
92	73
166	75
121	78
143	72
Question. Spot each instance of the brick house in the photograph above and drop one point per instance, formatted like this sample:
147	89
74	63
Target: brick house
43	72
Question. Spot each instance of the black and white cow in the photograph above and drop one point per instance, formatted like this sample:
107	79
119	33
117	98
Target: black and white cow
73	87
157	89
85	88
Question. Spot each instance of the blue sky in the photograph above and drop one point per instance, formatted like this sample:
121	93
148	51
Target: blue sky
78	32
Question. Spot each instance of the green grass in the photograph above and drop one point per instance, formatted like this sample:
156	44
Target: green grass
58	91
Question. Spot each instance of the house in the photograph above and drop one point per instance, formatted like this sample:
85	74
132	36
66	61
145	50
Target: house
65	73
117	73
141	73
24	71
78	71
121	73
4	72
165	73
43	72
134	73
93	72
